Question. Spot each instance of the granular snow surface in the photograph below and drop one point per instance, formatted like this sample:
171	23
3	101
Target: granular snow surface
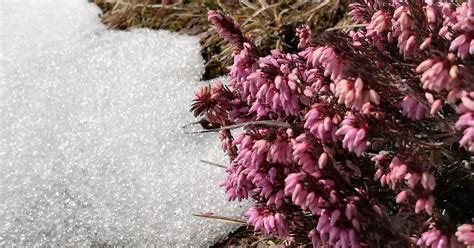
91	150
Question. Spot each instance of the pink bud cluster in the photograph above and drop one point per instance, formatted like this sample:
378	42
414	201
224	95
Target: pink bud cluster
320	123
275	88
412	108
435	238
465	234
268	220
466	122
304	34
403	30
226	27
461	21
410	179
393	101
354	131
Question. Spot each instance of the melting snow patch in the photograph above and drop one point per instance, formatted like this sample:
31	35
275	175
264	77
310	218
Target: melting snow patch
91	152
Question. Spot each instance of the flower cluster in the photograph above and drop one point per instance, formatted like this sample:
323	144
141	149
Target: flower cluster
391	101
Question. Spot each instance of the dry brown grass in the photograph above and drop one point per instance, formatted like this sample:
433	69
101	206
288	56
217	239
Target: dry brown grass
270	24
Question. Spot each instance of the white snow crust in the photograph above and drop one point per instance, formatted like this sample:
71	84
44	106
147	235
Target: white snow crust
91	150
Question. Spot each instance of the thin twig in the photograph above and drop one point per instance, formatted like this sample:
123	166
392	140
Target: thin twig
230	127
190	124
221	218
250	18
347	26
212	163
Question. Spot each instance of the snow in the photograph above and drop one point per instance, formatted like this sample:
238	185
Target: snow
91	150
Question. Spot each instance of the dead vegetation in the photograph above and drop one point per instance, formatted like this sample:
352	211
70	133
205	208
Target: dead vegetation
270	24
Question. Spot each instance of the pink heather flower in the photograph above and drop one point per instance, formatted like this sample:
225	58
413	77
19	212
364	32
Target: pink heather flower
331	233
413	109
236	184
450	19
465	234
244	64
436	106
320	124
467	102
238	111
314	78
379	159
412	179
403	24
430	13
302	153
398	170
462	22
356	37
353	95
267	220
227	28
313	235
252	153
211	102
312	158
437	75
379	23
304	33
426	204
267	185
358	12
426	43
280	152
462	44
308	200
302	183
328	58
354	130
226	143
466	121
433	238
402	196
273	89
428	181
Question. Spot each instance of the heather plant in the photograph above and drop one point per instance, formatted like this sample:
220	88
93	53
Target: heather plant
362	138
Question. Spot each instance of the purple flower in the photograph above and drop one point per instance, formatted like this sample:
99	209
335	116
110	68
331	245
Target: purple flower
267	220
462	22
328	58
402	30
379	23
272	88
308	182
304	34
413	109
302	196
309	154
437	75
227	28
320	124
354	132
244	64
466	121
353	94
465	234
435	238
236	184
